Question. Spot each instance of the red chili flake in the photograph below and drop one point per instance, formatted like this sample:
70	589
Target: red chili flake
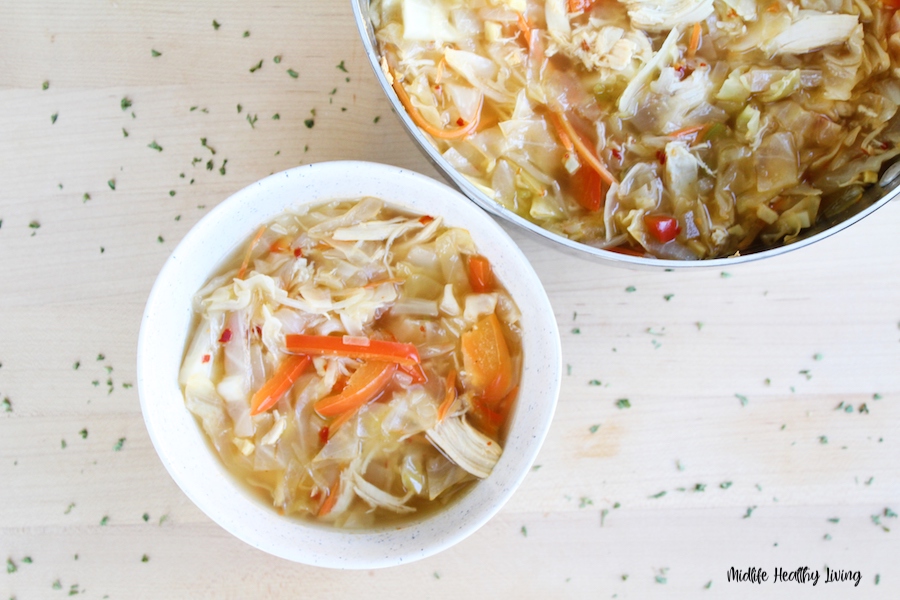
323	435
460	122
206	358
616	153
258	331
226	337
437	87
425	219
422	328
298	252
585	46
661	157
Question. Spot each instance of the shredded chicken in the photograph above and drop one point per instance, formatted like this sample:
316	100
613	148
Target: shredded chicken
663	15
813	30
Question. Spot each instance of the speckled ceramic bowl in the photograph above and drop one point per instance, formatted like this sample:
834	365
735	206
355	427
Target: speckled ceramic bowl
182	446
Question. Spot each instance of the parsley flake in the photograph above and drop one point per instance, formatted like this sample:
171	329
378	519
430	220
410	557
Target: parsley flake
246	34
594	428
524	531
112	184
7	405
155	53
56	585
53	117
124	132
83	433
146	517
222	168
630	289
658	494
125	103
584	501
576	330
742	398
341	67
256	67
376	119
594	382
160	239
309	123
252	120
118	445
216	25
45	85
725	485
293	73
104	521
277	59
11	566
154	146
623	403
749	512
172	192
145	558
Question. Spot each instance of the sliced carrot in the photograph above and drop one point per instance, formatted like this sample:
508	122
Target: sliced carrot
418	119
587	188
586	154
686	131
481	277
695	40
486	359
449	396
271	392
338	422
252	247
364	385
525	28
625	250
352	347
331	499
580	5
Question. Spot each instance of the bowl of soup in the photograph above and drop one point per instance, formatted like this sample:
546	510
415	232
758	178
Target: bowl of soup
348	365
651	133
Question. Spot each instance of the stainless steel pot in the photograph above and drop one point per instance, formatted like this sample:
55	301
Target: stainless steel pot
875	196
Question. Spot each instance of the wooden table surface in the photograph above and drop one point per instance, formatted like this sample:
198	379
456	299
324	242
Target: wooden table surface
763	421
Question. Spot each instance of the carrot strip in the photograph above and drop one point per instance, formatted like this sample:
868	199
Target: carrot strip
625	250
525	28
686	131
449	396
331	499
271	392
418	119
338	422
695	41
329	345
586	154
252	247
369	380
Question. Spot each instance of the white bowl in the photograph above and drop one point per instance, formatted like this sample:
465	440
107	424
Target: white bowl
192	463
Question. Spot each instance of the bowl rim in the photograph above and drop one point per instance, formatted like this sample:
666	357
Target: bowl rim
298	179
367	35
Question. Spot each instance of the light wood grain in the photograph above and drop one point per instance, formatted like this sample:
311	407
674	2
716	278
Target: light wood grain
796	336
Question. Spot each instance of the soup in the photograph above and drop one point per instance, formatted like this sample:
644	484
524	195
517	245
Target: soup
354	364
681	129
